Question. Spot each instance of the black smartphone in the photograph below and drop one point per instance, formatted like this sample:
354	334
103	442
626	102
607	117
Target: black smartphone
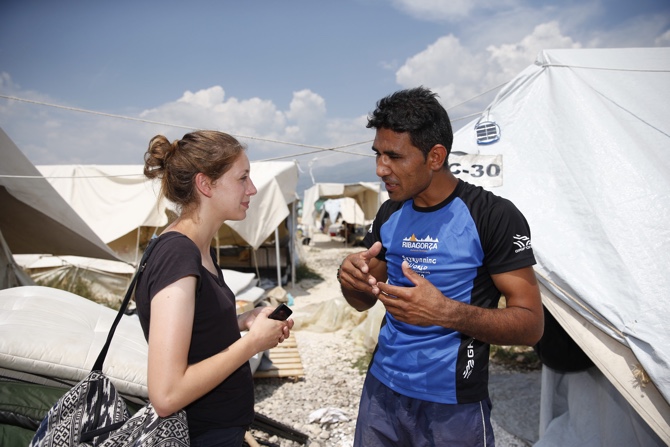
282	312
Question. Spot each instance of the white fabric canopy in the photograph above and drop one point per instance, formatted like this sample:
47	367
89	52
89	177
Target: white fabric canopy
347	208
584	139
276	182
117	199
113	199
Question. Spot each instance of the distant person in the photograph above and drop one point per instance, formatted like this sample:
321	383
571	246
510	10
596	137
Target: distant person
197	359
348	232
440	253
325	222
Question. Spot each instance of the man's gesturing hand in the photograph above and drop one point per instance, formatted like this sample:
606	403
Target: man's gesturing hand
355	269
421	305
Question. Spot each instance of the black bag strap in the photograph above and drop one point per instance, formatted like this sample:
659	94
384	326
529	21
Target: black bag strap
131	288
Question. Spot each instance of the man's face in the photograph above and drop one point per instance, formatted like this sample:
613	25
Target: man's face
401	166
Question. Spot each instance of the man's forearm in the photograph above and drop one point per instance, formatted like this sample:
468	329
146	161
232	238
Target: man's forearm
509	326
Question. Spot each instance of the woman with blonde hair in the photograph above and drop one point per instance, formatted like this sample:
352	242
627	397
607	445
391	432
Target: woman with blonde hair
198	360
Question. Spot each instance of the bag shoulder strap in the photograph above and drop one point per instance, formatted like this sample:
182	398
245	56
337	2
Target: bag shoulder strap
129	293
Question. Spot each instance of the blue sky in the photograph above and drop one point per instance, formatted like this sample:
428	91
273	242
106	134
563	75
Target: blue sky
300	72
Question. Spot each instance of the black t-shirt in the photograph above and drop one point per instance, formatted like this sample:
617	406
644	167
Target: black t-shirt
215	328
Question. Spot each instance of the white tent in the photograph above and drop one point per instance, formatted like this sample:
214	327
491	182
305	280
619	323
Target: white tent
368	195
35	219
117	201
585	139
276	182
346	208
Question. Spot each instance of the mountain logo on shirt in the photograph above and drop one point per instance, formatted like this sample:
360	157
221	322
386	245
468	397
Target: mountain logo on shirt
523	242
426	244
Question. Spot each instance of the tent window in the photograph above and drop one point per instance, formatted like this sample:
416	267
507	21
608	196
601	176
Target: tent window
487	132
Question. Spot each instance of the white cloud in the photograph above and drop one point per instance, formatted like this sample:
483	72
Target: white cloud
207	98
446	67
451	10
435	9
51	135
305	122
209	108
459	74
308	111
507	60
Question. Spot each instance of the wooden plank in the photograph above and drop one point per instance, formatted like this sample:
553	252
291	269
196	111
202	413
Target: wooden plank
284	366
279	373
285	359
283	355
293	359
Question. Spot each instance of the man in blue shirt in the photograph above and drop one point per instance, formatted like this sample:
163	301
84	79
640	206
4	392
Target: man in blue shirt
441	252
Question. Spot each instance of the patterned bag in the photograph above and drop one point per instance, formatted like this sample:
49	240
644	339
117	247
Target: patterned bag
93	413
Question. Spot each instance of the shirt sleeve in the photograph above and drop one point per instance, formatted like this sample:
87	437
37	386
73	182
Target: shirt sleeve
172	260
506	242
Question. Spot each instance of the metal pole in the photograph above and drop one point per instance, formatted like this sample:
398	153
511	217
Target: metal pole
292	243
278	256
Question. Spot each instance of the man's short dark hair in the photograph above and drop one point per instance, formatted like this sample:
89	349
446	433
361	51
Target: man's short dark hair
418	112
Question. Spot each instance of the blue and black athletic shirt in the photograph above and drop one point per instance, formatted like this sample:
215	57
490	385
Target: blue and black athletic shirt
457	245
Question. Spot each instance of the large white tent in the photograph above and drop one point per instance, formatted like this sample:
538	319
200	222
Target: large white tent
584	139
36	219
117	201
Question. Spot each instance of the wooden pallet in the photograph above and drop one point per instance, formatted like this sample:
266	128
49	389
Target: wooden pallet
285	359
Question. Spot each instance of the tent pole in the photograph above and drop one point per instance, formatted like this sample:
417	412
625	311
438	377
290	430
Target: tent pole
292	243
137	247
277	255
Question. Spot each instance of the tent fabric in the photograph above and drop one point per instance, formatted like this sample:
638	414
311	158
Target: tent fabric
113	199
346	208
368	195
11	274
276	182
35	218
109	280
105	281
116	200
584	139
568	396
568	399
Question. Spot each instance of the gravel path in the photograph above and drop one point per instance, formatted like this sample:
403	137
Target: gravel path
323	404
